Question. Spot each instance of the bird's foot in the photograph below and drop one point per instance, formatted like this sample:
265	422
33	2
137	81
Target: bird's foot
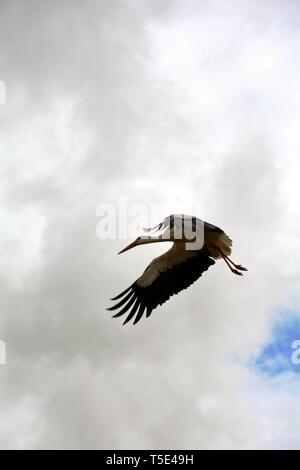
235	271
240	267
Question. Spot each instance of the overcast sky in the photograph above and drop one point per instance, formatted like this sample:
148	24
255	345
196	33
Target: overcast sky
184	106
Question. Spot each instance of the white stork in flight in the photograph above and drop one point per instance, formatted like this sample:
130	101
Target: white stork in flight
176	269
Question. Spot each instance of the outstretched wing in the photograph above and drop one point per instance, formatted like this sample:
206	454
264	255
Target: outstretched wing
165	276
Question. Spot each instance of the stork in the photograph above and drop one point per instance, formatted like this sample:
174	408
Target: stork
177	268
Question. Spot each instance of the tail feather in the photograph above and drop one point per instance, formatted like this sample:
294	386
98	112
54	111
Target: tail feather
221	240
225	243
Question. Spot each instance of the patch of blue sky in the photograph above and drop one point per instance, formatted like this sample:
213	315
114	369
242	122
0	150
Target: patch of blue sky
281	354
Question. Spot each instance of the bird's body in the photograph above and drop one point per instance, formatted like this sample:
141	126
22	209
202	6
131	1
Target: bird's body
196	244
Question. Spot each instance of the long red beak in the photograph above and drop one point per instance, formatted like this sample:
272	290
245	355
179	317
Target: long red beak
131	245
